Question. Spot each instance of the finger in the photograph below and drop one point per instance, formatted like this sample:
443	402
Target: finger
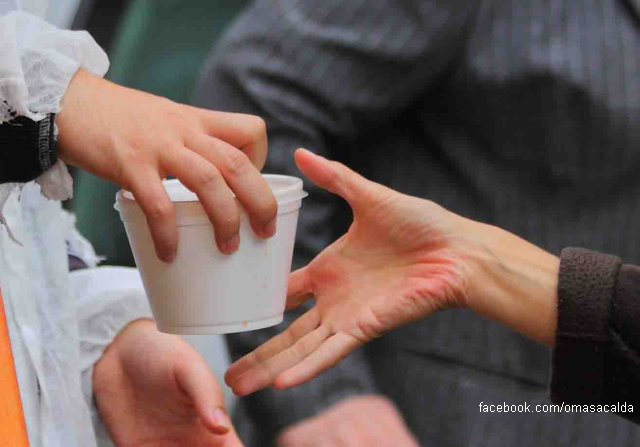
264	373
148	191
244	179
197	381
246	132
298	329
332	351
205	180
334	177
300	288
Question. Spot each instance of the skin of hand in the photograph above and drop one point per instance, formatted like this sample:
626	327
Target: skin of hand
153	389
402	259
136	139
366	421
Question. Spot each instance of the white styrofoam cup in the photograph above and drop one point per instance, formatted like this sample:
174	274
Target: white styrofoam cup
204	291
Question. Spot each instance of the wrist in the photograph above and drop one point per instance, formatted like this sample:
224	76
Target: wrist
113	352
78	103
512	281
108	370
132	329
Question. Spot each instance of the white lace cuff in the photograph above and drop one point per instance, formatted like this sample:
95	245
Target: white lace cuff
37	62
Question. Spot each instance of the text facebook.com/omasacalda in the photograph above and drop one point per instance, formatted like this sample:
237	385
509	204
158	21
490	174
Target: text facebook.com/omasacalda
556	408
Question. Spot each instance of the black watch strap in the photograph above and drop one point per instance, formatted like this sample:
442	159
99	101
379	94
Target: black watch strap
27	148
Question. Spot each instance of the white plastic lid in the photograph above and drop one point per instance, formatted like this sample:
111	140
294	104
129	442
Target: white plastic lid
287	190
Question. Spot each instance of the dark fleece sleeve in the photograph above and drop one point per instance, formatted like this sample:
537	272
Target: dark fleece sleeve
596	361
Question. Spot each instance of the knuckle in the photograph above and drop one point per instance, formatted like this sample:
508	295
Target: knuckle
295	332
237	163
161	210
268	210
290	335
209	177
259	355
255	127
300	348
259	127
233	222
177	115
368	330
229	224
170	107
232	216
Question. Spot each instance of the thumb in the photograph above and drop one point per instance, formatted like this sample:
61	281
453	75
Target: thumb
335	177
197	380
299	289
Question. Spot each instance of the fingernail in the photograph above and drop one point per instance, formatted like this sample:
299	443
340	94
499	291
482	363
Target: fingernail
232	244
269	229
220	418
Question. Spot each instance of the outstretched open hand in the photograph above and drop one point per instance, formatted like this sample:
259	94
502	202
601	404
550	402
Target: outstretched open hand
398	263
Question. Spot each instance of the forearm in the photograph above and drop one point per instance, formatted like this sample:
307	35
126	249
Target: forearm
585	304
512	281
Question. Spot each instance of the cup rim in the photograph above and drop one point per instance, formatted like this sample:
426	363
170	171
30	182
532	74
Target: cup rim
288	193
295	184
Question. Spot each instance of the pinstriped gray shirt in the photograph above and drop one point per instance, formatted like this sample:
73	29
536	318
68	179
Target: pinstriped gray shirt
524	114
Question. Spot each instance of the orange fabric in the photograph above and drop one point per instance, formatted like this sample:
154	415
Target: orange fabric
13	431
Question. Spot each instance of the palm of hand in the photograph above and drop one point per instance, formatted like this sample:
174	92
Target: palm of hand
145	385
397	263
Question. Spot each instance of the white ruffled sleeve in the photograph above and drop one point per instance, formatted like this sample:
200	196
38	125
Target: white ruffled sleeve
37	62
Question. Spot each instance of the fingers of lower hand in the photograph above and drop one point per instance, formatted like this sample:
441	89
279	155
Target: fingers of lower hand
331	352
266	361
266	373
292	358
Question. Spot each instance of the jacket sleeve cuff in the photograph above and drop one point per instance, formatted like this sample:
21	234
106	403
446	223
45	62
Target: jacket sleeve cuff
586	290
